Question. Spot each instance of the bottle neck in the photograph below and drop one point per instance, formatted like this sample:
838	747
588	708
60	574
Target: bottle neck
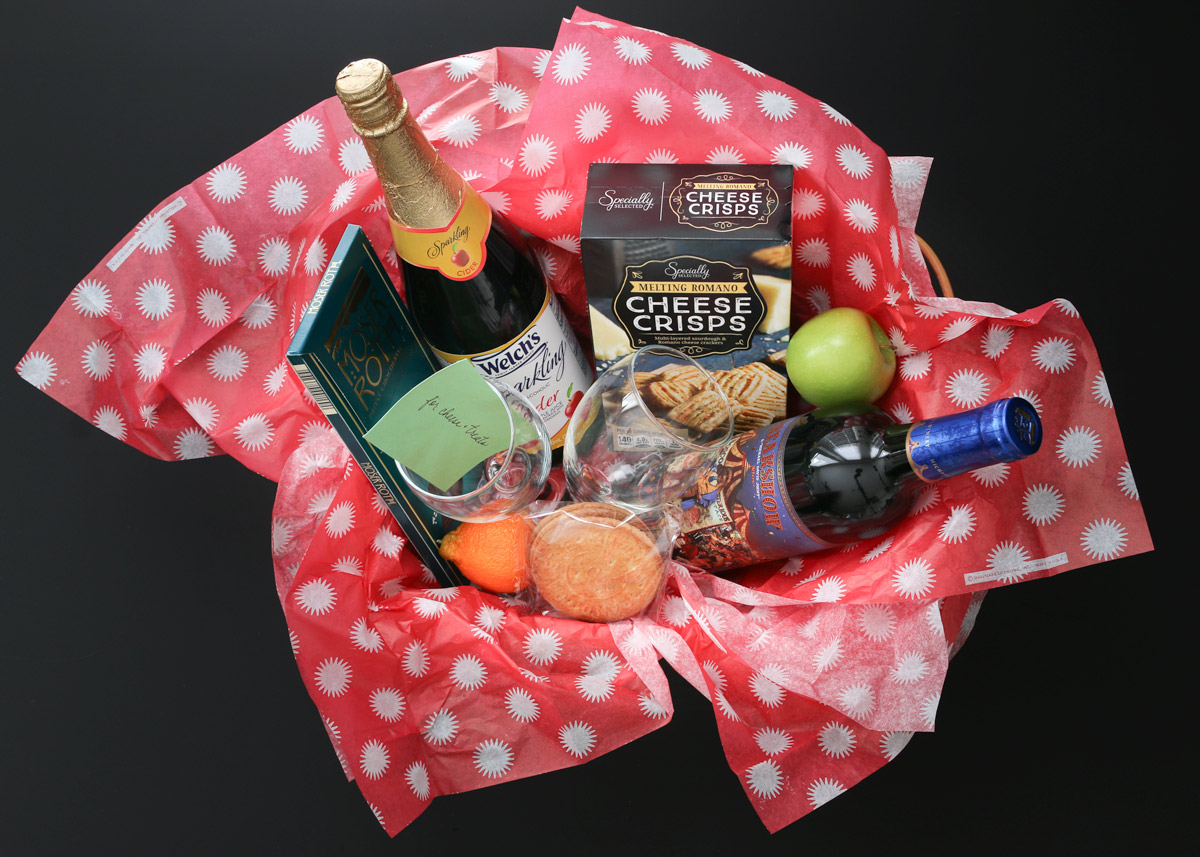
420	189
1004	430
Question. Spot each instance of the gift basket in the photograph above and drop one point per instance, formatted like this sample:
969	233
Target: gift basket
820	668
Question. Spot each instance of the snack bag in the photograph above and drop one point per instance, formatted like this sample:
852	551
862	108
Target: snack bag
175	344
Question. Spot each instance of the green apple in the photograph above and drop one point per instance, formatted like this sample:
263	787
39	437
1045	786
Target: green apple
840	357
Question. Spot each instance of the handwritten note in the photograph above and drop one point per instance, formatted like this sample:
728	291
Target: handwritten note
447	425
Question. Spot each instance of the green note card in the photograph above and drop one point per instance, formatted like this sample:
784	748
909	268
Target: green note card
448	424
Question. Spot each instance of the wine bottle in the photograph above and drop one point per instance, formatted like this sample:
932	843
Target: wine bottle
469	281
829	478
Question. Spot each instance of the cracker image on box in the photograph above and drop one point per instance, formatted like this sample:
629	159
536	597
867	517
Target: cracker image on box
696	257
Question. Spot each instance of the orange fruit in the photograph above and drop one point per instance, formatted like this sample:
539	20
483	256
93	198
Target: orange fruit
492	555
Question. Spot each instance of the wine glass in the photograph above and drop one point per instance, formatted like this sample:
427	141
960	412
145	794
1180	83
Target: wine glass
503	483
643	429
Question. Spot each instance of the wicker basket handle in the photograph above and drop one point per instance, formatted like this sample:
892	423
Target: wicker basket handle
936	266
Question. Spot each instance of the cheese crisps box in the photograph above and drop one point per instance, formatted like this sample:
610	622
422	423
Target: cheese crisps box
696	257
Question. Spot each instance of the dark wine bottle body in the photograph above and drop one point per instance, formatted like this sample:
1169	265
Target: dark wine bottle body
822	480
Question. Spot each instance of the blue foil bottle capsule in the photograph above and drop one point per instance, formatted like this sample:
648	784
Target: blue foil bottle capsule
1004	430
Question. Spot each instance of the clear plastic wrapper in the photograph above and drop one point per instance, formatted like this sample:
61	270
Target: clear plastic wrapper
598	562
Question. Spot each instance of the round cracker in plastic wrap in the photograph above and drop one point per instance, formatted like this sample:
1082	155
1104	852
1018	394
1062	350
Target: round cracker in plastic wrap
596	562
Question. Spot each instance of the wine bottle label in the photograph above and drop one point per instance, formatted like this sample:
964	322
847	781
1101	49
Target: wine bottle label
738	512
457	250
545	363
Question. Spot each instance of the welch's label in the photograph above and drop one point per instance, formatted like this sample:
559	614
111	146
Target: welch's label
545	363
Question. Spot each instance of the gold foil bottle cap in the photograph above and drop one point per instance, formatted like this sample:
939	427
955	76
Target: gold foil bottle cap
371	98
422	191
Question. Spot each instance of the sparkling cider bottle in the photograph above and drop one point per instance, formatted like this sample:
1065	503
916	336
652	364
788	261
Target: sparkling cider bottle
469	281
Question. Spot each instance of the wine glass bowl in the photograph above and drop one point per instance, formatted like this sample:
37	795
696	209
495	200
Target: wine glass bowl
643	428
502	484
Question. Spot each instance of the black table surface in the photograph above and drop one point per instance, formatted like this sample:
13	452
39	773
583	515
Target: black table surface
149	701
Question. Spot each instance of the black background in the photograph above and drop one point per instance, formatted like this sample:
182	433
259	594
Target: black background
149	702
